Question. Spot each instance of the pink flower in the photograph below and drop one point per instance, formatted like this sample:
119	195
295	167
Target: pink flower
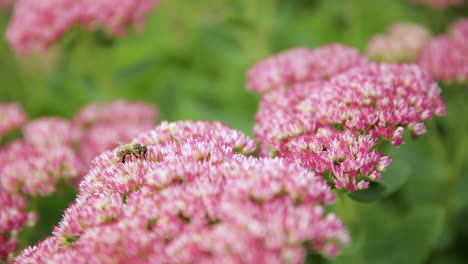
32	167
36	25
335	128
119	111
445	56
401	42
48	155
11	117
459	29
37	171
49	132
103	126
194	199
301	65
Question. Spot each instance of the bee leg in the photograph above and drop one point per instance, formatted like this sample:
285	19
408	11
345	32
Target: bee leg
123	158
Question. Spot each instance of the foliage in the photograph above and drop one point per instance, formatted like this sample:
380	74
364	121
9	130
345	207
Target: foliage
191	61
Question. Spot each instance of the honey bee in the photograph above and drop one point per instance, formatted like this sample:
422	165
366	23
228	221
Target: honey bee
137	150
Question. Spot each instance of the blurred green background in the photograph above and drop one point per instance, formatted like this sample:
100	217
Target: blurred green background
191	60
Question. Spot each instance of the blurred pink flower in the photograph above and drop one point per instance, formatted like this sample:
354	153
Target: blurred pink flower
445	57
333	127
194	199
103	126
11	116
54	150
401	42
441	4
301	65
119	111
5	3
36	25
50	132
32	167
12	218
459	30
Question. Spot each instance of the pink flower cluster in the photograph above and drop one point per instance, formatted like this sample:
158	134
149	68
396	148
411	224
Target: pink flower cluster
445	56
301	65
36	25
11	117
401	42
441	4
30	167
12	219
33	165
195	198
103	126
334	127
55	150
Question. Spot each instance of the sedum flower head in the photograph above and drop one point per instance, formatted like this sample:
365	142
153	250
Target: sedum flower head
194	199
54	150
11	117
36	25
46	157
401	42
445	56
50	132
32	167
12	218
334	127
301	65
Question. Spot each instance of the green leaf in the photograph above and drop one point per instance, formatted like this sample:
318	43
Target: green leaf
410	241
397	173
49	210
376	191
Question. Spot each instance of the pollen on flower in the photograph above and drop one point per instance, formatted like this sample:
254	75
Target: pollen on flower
195	199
